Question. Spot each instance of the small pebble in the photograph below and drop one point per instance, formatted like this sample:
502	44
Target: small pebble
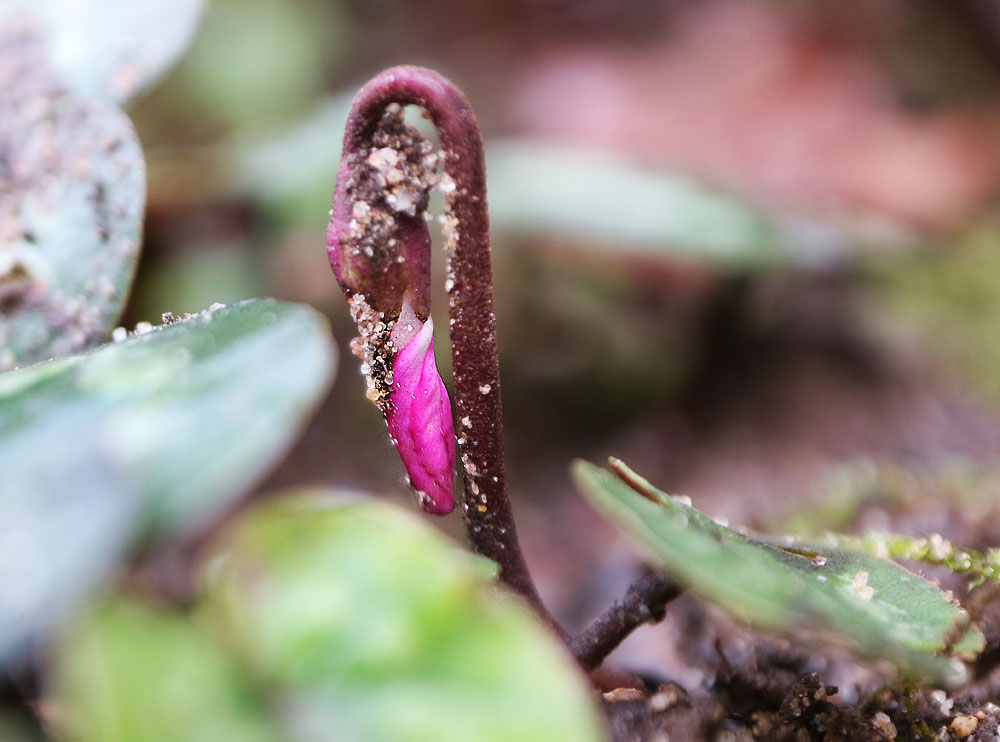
668	696
963	726
884	726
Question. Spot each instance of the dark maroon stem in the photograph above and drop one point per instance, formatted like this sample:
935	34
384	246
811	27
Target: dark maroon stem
473	332
644	602
472	319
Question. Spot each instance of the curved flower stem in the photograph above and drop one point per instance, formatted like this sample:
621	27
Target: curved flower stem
386	278
470	288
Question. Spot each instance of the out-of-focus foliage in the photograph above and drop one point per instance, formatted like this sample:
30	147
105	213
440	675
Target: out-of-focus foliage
251	67
810	591
72	230
71	207
129	673
590	198
599	200
154	434
384	629
325	618
204	273
312	142
841	498
109	49
949	300
573	328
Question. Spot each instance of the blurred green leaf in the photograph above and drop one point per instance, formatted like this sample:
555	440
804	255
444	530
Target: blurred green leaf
946	300
598	197
604	199
374	625
72	208
262	166
202	273
129	674
108	49
254	64
157	432
600	200
809	592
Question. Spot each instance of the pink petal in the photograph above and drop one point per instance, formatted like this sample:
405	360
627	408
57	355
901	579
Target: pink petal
420	424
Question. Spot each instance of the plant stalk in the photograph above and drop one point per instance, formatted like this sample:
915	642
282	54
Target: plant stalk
487	508
472	324
644	602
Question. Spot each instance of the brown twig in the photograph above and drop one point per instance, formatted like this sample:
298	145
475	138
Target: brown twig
644	602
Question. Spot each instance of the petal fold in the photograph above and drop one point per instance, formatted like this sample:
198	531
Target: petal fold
420	423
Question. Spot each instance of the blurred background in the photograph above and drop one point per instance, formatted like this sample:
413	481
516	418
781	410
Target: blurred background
749	247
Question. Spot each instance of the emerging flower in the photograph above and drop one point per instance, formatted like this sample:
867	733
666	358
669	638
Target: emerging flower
419	414
379	247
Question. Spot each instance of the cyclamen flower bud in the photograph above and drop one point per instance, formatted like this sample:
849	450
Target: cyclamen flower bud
380	250
418	415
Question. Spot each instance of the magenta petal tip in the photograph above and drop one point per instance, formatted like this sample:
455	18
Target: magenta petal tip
420	423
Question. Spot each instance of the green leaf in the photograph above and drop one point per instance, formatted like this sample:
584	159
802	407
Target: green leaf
108	49
606	201
156	433
372	623
255	65
844	598
261	166
944	301
126	673
72	202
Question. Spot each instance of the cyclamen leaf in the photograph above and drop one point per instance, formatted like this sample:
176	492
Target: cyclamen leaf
153	435
325	617
371	625
128	673
71	208
871	605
